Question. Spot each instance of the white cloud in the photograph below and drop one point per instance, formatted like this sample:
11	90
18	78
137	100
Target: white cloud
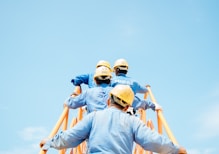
209	123
33	133
31	136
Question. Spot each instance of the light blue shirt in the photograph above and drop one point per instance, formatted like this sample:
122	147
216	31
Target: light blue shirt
121	78
112	131
94	98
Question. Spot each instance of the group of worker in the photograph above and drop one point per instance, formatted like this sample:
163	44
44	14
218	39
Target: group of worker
101	82
107	127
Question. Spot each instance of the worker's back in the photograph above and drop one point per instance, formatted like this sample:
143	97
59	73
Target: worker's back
111	132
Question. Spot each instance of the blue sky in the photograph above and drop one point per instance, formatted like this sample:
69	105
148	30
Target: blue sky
170	45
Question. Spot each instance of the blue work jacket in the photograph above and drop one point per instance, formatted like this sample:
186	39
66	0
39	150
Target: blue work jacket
112	131
94	98
121	78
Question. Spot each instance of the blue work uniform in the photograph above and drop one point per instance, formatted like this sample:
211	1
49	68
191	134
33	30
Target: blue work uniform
112	131
94	98
121	78
86	79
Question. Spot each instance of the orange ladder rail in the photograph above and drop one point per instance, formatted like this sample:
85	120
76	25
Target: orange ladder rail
138	149
161	120
80	148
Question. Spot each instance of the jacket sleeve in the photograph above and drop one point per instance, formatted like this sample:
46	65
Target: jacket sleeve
77	101
78	80
138	88
142	104
71	137
152	141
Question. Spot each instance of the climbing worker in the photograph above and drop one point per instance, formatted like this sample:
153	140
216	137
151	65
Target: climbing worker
113	131
88	79
121	69
94	98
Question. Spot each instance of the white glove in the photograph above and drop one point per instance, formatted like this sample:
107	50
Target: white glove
84	107
130	111
158	107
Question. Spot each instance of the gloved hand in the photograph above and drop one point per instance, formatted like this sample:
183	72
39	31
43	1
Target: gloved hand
131	111
158	107
84	108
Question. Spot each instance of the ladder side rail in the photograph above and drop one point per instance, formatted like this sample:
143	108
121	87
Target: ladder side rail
159	122
64	127
162	120
142	113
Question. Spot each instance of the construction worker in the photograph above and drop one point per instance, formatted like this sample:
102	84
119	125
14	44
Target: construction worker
121	69
113	131
88	79
94	98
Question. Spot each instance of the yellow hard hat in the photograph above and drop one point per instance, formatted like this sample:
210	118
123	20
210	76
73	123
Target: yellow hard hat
102	71
103	63
124	95
121	63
